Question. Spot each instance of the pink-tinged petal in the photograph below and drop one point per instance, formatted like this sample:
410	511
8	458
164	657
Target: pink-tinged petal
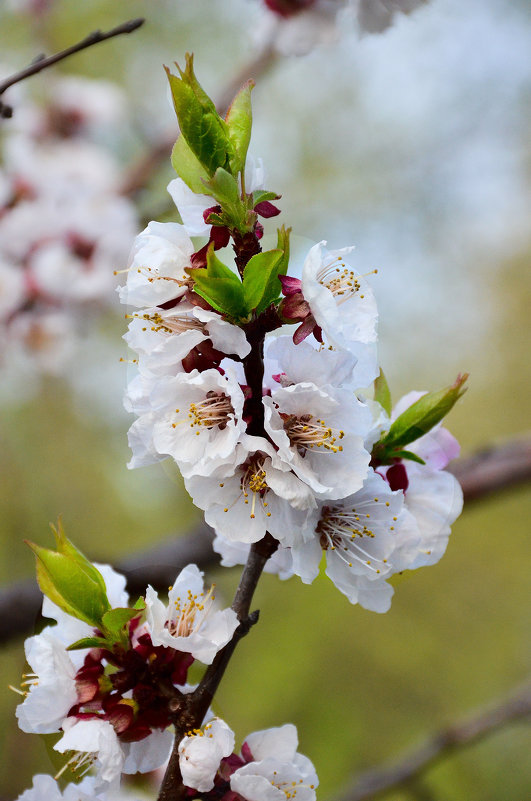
290	285
438	448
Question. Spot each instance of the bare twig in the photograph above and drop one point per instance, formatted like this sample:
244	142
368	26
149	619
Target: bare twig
43	62
141	172
381	780
494	468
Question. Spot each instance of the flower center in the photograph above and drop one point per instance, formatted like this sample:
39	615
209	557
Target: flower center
289	788
174	324
309	433
79	763
189	613
253	482
215	409
340	279
340	529
30	680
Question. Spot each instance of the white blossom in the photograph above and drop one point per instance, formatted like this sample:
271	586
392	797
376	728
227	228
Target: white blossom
190	623
340	299
278	770
366	539
260	494
198	420
165	337
434	499
375	16
201	751
94	742
320	435
161	253
294	364
45	788
51	688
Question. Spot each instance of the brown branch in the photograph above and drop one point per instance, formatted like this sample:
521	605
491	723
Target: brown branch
42	62
189	714
381	780
141	172
492	469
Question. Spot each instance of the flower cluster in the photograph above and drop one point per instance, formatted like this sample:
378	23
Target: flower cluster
111	701
276	433
268	767
113	689
63	225
260	379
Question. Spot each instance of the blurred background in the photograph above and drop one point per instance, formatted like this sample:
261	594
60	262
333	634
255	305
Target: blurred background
412	144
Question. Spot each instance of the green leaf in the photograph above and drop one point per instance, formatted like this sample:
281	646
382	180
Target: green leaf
283	245
140	604
89	642
272	288
200	124
262	194
188	167
65	582
382	393
222	298
239	120
257	278
66	547
188	76
224	187
220	287
423	415
407	455
114	620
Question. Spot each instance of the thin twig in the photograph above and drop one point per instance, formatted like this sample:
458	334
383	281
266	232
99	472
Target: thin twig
491	470
381	780
42	62
494	468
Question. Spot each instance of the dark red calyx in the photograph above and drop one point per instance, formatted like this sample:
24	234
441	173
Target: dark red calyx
80	247
266	209
290	286
397	477
246	753
294	308
211	210
287	8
